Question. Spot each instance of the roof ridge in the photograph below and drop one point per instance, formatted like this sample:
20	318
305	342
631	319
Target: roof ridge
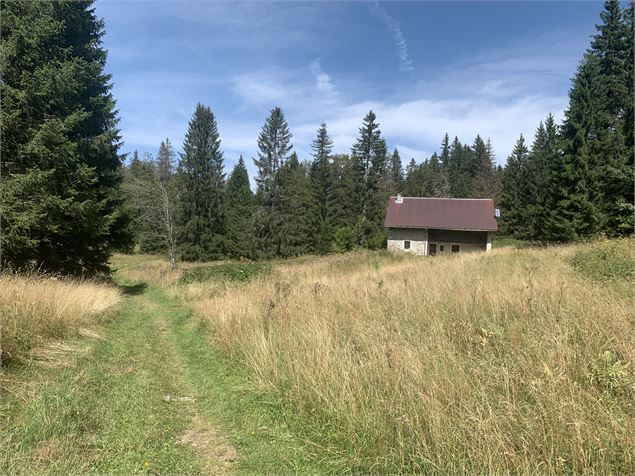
441	198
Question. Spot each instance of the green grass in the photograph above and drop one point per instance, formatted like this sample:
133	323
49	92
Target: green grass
605	260
241	272
106	412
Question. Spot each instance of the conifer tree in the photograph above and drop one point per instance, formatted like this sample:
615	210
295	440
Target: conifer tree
295	210
274	145
342	208
320	183
369	162
394	174
239	203
514	193
60	200
201	182
165	161
484	183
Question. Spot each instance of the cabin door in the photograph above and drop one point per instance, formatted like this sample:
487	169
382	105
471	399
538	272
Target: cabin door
432	249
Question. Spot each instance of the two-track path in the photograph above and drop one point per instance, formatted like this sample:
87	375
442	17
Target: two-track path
148	396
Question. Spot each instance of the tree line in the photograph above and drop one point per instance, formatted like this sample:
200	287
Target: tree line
331	202
67	200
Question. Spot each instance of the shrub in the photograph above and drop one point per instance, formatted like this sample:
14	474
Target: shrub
606	260
241	272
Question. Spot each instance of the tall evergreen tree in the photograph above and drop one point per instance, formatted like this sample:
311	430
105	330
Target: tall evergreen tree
514	193
320	183
239	203
295	210
274	145
60	198
394	174
165	161
369	162
484	183
201	182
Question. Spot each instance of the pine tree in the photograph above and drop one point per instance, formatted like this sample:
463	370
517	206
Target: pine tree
239	203
369	162
295	210
610	145
320	183
342	208
60	199
572	213
201	182
394	174
484	183
165	161
544	152
514	193
274	145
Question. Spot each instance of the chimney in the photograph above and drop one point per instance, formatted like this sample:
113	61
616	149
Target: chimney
399	198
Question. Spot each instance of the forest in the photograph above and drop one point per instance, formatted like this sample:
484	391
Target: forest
70	198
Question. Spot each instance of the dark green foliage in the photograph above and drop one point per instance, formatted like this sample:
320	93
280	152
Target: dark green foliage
239	205
296	210
541	162
369	164
606	259
394	178
241	272
321	183
514	195
484	183
60	202
274	145
342	208
200	221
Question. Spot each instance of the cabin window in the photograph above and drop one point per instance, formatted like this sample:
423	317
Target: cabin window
406	245
456	248
441	248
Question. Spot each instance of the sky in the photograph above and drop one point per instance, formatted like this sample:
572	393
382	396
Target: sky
425	68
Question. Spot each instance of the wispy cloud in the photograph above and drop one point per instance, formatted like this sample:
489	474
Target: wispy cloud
405	64
322	80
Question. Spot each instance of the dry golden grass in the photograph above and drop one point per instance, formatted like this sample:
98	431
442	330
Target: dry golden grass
34	308
507	362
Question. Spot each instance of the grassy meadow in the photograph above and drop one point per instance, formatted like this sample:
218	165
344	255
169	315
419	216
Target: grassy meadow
514	361
36	308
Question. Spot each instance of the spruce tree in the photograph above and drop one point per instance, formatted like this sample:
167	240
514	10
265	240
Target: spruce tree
295	210
274	145
200	221
514	193
394	174
239	203
369	162
484	183
165	161
342	207
320	183
60	200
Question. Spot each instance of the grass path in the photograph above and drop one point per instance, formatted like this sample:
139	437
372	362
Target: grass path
149	396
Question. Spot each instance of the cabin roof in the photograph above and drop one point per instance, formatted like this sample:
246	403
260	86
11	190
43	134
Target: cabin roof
475	214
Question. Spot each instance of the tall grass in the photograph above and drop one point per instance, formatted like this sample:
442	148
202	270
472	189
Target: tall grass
34	308
505	362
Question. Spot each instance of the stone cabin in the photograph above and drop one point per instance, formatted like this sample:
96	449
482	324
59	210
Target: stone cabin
433	226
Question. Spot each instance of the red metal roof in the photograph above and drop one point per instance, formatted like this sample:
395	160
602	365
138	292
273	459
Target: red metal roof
442	213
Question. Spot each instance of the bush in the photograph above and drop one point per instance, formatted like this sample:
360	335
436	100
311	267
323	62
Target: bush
241	272
606	260
344	239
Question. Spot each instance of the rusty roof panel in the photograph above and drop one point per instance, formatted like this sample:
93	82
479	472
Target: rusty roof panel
442	213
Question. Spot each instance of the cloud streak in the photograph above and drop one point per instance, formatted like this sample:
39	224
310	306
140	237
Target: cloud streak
405	64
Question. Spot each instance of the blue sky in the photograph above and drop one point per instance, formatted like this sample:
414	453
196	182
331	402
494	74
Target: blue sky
489	68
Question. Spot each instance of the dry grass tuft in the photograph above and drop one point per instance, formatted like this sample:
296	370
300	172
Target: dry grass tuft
34	308
507	362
